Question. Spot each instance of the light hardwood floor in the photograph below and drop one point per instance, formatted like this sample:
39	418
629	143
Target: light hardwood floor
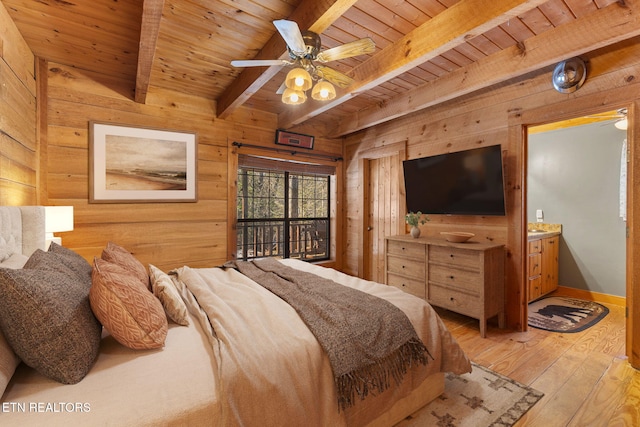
585	376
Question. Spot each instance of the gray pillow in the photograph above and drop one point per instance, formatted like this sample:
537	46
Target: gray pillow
46	317
73	260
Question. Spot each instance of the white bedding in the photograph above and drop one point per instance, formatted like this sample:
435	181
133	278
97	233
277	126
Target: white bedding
264	349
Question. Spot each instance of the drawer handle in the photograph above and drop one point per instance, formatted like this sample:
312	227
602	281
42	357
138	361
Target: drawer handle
451	277
451	255
452	299
403	266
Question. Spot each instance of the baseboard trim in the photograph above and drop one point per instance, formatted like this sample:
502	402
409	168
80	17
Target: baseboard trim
591	296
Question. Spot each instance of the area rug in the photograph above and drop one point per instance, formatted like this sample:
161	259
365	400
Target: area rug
480	399
563	314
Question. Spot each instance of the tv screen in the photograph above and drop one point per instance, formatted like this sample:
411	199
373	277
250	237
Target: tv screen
462	183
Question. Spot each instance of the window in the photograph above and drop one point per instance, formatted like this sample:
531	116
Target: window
282	213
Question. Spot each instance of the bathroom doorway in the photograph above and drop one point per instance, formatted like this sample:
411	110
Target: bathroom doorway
574	181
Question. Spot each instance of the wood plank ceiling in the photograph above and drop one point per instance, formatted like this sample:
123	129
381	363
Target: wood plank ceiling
427	51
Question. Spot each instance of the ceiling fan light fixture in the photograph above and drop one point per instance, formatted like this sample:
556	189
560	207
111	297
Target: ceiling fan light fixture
323	91
293	96
298	79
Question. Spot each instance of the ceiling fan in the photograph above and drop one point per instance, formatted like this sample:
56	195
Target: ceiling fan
620	117
307	59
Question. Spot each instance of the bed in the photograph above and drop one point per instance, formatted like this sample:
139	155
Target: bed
249	361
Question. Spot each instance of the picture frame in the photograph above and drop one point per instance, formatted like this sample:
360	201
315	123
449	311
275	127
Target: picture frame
292	139
133	164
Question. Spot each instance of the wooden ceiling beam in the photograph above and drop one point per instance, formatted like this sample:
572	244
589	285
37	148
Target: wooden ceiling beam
596	30
462	21
149	29
315	15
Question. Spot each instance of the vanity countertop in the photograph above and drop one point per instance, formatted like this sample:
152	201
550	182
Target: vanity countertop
539	230
534	235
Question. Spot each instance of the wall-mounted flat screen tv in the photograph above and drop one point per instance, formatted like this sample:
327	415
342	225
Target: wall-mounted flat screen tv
468	182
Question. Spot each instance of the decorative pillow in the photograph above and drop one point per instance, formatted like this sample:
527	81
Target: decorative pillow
164	289
46	318
118	255
73	260
8	363
126	307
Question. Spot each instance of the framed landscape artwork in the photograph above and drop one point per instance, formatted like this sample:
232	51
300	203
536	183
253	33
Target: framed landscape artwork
129	164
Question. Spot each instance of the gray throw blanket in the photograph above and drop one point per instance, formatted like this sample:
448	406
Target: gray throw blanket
368	339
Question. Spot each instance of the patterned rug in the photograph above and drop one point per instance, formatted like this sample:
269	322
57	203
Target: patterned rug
480	399
563	314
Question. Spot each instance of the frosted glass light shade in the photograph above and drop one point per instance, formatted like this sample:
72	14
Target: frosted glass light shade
293	97
323	91
298	79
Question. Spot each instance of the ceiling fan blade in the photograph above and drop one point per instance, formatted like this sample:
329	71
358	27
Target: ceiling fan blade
334	76
291	34
258	62
347	50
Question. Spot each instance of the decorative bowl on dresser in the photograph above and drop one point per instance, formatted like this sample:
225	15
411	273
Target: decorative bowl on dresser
467	278
456	236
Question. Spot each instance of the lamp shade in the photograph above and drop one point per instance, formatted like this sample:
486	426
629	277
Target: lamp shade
58	218
323	91
298	79
293	97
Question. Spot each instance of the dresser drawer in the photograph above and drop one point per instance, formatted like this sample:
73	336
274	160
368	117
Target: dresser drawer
460	302
410	249
411	286
457	278
406	267
460	257
535	264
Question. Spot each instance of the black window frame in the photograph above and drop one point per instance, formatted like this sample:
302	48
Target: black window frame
315	231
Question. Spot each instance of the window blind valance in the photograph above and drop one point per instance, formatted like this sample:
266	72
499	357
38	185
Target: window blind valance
270	163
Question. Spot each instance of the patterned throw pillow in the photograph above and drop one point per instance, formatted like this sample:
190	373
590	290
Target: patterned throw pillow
116	254
46	318
129	311
164	289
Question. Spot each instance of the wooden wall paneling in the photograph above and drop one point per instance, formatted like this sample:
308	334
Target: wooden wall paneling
17	108
18	143
15	52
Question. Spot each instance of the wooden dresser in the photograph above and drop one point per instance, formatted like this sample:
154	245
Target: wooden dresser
467	278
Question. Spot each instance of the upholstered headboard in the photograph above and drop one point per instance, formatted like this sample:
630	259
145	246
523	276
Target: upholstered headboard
22	230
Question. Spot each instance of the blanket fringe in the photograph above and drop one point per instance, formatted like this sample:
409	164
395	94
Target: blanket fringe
376	378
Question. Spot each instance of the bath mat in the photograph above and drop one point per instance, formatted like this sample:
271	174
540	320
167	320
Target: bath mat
564	314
